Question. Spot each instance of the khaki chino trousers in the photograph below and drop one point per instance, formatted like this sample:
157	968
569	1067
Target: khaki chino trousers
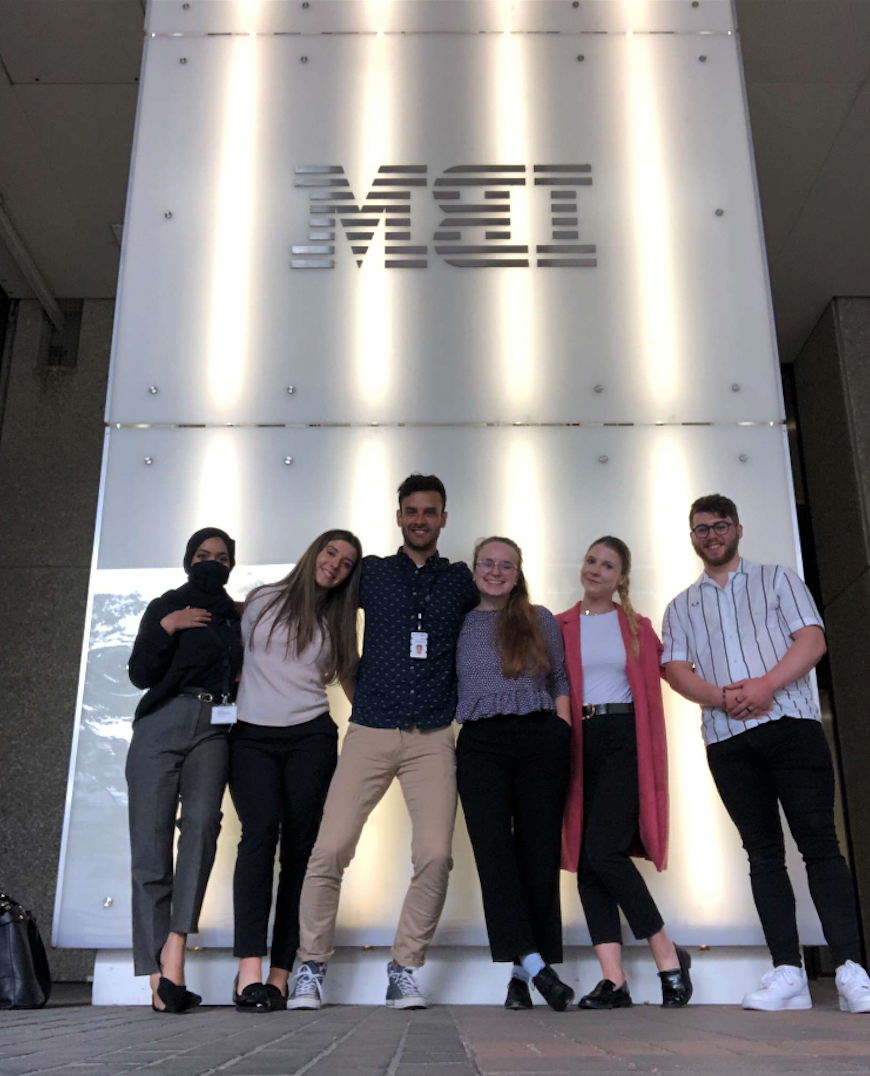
424	761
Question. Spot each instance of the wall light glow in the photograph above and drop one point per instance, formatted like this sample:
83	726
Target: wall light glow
697	833
525	509
659	344
219	486
228	348
372	501
517	344
372	325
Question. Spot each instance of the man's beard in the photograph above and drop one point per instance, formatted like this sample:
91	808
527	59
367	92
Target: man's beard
429	541
723	557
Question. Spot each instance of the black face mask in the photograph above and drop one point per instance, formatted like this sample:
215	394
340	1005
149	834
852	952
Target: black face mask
209	576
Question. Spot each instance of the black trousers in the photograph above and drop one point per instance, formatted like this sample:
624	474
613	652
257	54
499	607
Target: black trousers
279	778
787	762
512	773
607	878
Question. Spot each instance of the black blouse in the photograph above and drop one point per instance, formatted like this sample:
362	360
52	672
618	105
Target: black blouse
208	658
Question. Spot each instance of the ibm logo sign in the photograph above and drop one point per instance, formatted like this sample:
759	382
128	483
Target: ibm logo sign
471	196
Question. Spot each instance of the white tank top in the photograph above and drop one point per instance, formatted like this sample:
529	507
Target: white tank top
603	653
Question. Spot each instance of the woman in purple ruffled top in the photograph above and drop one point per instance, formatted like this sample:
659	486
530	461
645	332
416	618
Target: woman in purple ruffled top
512	768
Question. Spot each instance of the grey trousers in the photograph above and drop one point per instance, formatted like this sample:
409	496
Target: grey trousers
176	755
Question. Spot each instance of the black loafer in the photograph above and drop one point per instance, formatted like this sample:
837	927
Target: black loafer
253	998
518	996
558	995
177	999
677	984
277	1000
606	996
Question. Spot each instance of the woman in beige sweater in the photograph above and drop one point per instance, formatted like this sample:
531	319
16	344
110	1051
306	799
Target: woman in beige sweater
299	635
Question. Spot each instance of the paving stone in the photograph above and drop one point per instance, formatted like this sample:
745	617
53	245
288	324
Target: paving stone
77	1040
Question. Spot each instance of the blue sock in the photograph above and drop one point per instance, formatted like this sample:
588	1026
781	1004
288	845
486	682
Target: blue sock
519	972
533	963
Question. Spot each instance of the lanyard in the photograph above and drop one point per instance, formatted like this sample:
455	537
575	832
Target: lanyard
226	655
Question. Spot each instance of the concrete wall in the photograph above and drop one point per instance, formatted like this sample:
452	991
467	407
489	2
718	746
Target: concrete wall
51	434
832	380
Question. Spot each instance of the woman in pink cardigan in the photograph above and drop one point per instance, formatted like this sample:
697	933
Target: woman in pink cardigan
617	802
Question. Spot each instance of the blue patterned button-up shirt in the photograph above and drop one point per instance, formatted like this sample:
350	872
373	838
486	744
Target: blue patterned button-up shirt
394	690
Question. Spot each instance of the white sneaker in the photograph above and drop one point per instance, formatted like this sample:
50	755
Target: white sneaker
853	984
307	989
783	988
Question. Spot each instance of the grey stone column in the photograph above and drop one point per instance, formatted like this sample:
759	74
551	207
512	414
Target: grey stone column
50	455
832	379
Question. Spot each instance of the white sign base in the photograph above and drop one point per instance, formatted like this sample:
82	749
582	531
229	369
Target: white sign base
453	976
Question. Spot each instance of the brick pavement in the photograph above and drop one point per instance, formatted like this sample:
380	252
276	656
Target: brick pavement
73	1038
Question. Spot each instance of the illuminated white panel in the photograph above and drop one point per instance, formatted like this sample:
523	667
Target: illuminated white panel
671	325
398	16
555	490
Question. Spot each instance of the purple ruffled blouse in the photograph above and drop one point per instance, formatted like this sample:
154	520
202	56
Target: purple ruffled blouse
483	689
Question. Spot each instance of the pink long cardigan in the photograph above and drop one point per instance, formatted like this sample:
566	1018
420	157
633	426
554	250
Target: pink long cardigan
652	753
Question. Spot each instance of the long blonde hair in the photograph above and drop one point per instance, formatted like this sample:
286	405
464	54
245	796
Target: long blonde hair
519	637
624	553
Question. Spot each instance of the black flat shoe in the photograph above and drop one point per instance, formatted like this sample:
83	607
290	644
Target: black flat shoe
277	1000
677	984
606	996
176	999
518	995
558	995
254	998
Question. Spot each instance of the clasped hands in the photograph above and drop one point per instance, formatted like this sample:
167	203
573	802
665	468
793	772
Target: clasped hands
748	699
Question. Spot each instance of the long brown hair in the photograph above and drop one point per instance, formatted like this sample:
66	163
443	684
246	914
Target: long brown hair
303	607
519	637
624	553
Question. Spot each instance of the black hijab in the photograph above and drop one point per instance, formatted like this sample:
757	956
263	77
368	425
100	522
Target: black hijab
213	598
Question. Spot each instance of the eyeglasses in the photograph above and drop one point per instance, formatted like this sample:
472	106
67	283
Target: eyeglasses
502	565
703	529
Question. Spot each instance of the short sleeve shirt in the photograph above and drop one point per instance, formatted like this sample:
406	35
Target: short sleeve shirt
394	690
741	631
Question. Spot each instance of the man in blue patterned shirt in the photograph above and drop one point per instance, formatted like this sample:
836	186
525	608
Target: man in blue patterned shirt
403	701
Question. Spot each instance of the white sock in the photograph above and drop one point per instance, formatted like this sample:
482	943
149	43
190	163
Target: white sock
519	972
533	963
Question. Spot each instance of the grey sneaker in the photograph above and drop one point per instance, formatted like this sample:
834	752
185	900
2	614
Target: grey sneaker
402	990
307	989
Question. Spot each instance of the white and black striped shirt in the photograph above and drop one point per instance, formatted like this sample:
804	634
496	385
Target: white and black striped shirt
741	631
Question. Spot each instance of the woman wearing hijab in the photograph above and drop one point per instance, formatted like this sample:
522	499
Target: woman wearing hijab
188	653
300	634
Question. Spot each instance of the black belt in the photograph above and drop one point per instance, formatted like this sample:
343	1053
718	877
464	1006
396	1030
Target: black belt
594	709
196	693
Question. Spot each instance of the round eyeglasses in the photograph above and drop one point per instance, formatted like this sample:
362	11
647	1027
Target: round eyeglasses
703	529
503	565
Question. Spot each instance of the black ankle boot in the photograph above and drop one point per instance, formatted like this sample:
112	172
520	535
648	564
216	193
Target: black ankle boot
677	984
558	995
518	996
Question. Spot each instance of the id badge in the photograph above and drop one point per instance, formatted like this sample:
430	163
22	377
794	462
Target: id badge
223	715
419	644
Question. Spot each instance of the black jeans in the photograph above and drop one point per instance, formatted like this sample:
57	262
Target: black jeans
607	878
788	762
512	773
279	778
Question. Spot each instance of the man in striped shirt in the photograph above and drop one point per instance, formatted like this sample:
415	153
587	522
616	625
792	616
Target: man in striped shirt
742	641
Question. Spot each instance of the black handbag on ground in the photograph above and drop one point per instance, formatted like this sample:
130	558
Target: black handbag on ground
25	979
